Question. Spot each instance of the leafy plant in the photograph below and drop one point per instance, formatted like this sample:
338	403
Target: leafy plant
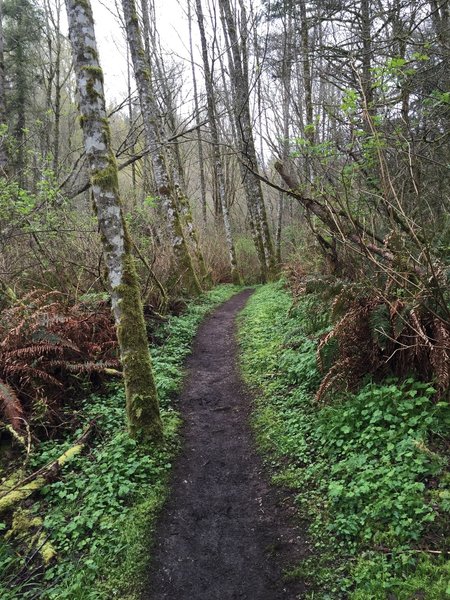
100	515
369	470
46	343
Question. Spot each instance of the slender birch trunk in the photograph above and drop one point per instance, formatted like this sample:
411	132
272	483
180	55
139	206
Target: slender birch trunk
197	120
244	128
3	149
216	148
161	169
307	84
130	120
53	16
141	396
174	159
286	79
279	227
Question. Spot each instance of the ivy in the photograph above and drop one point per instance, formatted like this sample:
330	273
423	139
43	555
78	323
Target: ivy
100	514
369	471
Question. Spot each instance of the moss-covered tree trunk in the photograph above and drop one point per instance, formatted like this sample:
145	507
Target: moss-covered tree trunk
166	187
244	128
216	148
3	151
141	396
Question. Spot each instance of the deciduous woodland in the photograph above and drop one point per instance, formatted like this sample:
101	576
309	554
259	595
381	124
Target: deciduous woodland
298	147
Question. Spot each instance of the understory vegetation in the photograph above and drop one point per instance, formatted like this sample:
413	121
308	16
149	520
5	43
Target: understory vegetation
87	534
367	465
304	140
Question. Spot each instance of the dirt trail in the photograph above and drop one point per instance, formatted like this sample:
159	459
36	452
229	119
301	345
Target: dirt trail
225	534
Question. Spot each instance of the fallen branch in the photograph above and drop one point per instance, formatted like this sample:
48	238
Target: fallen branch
34	482
410	551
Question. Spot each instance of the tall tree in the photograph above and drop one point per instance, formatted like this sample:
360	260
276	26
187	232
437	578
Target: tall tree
244	128
3	125
197	120
22	34
168	189
141	396
218	166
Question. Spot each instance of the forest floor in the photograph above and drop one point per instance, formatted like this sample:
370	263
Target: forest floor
225	532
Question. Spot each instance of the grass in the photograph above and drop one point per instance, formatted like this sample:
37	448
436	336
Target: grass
99	515
369	470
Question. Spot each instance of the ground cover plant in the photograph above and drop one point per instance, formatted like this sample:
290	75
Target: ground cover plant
87	534
368	469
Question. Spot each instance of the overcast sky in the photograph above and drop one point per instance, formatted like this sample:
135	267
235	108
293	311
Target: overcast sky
172	27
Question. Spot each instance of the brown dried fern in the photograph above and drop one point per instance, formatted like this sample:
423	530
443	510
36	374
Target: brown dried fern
11	406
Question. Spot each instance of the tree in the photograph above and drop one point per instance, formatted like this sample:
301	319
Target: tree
244	128
168	190
141	396
218	166
22	33
3	125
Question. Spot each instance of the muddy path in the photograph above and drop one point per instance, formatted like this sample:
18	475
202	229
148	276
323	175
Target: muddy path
225	533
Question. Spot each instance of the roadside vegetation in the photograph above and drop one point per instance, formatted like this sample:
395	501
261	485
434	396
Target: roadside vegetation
300	139
87	534
367	467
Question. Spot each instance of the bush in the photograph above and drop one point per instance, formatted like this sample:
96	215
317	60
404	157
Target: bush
369	470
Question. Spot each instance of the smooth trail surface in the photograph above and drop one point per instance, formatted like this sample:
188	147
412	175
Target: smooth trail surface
225	533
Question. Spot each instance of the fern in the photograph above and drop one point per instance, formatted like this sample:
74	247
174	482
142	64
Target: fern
381	327
11	406
440	355
44	342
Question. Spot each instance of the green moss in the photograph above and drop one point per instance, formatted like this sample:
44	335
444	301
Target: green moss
70	453
86	5
93	70
141	396
27	529
107	178
92	92
22	493
22	522
47	551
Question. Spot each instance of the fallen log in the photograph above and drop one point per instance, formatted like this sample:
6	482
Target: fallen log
26	487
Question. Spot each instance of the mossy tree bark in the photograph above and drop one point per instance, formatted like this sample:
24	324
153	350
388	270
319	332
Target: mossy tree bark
141	396
197	120
244	128
212	118
3	151
166	187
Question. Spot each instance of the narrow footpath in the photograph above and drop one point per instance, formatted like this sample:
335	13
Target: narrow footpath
225	533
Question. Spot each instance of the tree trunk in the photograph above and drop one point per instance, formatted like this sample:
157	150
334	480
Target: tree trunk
58	87
161	169
3	133
366	80
141	396
21	101
197	120
244	128
218	167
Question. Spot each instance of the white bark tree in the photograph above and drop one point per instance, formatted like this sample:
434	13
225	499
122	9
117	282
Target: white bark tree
3	151
218	166
241	94
141	396
168	189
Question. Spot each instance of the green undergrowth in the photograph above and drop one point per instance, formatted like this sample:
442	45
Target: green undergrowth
368	471
100	513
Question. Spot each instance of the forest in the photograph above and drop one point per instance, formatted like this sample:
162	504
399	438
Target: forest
224	299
